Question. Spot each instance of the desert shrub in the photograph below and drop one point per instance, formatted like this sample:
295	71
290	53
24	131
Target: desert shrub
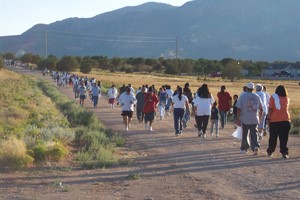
13	154
91	138
86	118
295	131
96	158
296	122
64	135
57	152
39	153
118	140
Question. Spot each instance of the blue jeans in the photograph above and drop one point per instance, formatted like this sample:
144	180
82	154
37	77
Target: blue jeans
214	123
253	137
223	116
178	115
95	100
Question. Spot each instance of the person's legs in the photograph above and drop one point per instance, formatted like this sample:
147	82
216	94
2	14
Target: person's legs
254	137
125	119
176	119
213	122
222	118
283	137
205	123
244	144
139	114
198	122
274	131
217	128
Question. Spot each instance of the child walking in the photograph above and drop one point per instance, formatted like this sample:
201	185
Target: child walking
214	117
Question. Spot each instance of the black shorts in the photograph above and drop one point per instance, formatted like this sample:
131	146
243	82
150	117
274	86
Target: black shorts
149	117
82	96
127	113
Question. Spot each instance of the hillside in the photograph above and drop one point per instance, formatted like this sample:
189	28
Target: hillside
253	30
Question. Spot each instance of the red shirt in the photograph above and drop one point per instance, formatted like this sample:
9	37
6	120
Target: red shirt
151	101
224	101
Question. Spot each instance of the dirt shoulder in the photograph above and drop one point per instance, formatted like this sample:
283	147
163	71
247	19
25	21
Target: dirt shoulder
166	167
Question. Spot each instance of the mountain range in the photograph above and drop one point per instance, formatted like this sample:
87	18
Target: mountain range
267	30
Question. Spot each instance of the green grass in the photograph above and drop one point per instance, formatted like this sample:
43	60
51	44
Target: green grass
38	124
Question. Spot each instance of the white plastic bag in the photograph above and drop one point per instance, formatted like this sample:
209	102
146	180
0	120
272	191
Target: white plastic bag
238	133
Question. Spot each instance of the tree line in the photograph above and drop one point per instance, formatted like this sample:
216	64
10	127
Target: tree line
227	67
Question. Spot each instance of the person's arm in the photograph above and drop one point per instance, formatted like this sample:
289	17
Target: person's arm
187	106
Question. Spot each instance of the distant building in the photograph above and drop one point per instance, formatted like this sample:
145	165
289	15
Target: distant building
281	70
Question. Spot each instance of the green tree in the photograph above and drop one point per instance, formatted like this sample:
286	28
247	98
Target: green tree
171	66
232	70
68	64
116	62
9	56
1	62
27	58
86	66
49	63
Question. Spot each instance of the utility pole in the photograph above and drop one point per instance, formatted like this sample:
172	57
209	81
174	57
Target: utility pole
176	48
46	43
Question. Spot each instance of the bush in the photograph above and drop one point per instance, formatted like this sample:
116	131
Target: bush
57	152
296	122
13	154
96	158
39	153
295	131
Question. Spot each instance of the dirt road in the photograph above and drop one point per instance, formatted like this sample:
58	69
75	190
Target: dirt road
166	167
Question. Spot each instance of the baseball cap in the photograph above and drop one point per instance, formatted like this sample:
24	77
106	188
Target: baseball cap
250	85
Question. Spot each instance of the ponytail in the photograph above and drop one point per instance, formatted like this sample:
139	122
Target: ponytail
179	93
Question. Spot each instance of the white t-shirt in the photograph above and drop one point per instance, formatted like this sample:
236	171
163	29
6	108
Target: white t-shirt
112	93
203	105
178	103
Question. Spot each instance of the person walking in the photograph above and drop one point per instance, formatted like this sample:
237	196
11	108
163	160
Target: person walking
95	93
127	100
214	118
169	92
112	94
187	92
279	121
162	96
140	97
151	101
224	104
202	107
263	98
82	93
180	103
249	113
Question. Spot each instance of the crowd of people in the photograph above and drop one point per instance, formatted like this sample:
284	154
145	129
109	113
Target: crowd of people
253	109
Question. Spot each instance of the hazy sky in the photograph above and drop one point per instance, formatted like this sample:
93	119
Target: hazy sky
17	16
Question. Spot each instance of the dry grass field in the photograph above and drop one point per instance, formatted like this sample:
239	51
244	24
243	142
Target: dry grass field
137	80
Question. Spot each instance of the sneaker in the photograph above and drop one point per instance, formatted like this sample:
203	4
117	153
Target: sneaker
126	129
204	135
218	135
146	126
150	128
199	133
270	155
256	151
176	134
285	156
243	151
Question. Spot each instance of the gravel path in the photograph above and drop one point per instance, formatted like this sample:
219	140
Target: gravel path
167	167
